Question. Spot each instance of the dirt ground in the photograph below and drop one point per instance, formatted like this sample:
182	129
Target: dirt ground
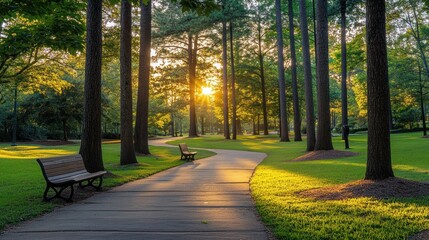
324	154
381	189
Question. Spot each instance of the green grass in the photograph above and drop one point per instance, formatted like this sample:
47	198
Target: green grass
289	216
22	183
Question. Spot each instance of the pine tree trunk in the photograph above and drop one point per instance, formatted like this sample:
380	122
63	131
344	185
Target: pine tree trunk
324	140
234	103
192	75
308	80
262	74
65	137
296	109
379	164
141	135
202	125
344	114
225	83
90	147
258	126
284	128
128	155
422	105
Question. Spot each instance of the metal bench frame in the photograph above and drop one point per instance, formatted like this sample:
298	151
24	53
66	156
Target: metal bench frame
63	172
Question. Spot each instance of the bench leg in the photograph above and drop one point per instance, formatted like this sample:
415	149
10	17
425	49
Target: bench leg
58	193
91	183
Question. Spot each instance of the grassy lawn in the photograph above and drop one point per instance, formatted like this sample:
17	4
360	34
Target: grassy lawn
22	183
277	179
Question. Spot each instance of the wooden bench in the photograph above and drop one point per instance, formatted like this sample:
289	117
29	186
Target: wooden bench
186	154
63	172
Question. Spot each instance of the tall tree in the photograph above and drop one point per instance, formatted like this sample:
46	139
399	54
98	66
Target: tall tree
90	147
192	72
308	80
141	135
421	98
379	165
233	100
284	134
128	155
344	114
226	132
296	111
324	140
262	76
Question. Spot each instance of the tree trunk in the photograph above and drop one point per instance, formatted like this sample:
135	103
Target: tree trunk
379	164
128	155
344	114
173	129
65	137
225	83
234	103
202	125
296	110
284	128
324	140
422	105
315	33
141	135
308	80
90	147
239	127
192	75
416	34
15	114
262	74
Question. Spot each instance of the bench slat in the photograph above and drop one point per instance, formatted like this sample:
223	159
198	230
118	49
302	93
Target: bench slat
60	170
76	177
59	160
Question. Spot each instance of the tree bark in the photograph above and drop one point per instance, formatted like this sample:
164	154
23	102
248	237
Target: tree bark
284	128
128	155
344	114
90	147
225	82
379	164
65	137
234	103
315	33
308	80
262	75
422	105
296	109
141	134
202	125
192	51
324	140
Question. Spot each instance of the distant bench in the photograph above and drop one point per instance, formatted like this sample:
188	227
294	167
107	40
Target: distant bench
186	154
63	172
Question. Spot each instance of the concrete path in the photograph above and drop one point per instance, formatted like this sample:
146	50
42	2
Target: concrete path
204	199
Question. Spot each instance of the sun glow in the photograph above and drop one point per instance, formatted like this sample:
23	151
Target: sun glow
207	91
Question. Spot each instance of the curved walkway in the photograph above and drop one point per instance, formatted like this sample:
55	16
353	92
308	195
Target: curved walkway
204	199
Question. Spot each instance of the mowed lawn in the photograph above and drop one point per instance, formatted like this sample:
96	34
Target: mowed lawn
22	183
289	216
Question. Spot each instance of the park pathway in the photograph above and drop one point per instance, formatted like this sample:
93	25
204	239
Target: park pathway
204	199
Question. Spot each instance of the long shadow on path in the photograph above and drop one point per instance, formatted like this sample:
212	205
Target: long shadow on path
204	199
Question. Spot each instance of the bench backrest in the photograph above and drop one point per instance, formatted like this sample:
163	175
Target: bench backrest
183	147
56	166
